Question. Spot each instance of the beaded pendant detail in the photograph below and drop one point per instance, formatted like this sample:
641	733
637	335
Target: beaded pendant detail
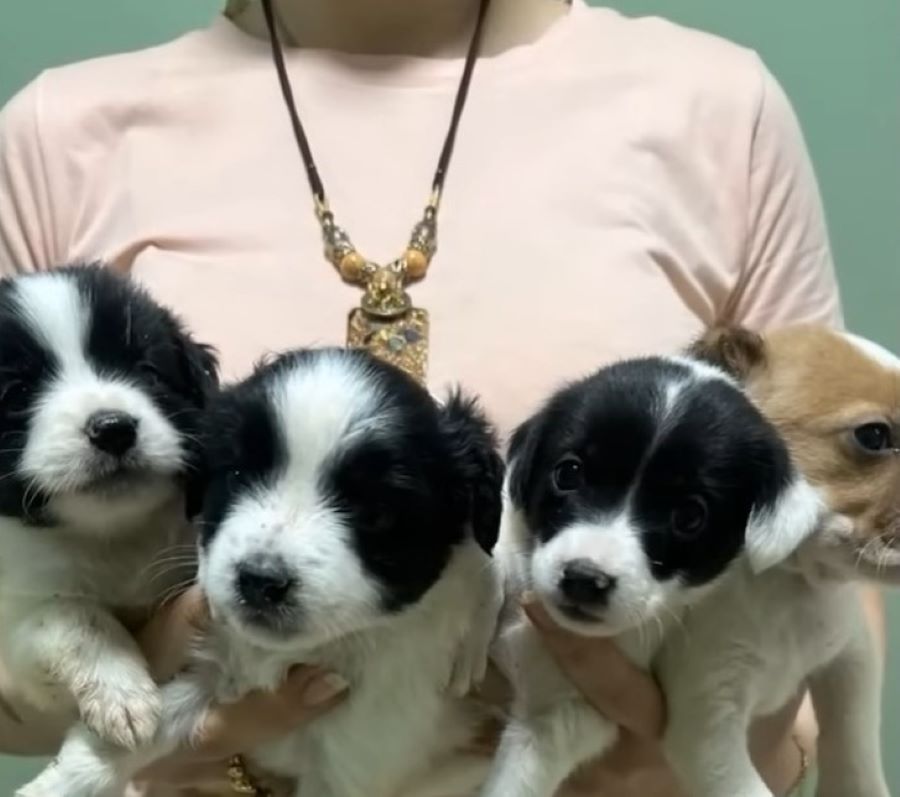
386	323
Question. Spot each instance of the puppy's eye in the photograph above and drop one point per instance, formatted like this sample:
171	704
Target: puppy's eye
14	391
380	520
688	519
568	475
149	370
874	437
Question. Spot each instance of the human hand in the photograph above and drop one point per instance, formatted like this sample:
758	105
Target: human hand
231	728
618	689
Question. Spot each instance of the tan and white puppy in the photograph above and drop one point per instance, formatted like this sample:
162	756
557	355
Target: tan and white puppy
835	398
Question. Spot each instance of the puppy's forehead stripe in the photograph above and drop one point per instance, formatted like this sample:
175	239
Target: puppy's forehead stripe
702	371
320	403
55	311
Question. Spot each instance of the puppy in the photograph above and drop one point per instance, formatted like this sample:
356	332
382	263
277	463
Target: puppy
345	525
100	391
632	495
836	400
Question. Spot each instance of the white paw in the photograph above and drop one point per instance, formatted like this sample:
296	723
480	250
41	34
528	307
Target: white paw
470	666
46	784
471	662
34	790
126	716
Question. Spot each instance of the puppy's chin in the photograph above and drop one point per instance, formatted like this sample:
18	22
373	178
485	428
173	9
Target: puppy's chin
579	622
601	623
110	505
276	636
286	633
855	554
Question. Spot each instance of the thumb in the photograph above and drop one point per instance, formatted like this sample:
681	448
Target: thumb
607	679
261	716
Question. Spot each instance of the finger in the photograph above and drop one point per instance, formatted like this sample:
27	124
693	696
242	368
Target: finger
611	683
262	716
495	689
166	638
184	772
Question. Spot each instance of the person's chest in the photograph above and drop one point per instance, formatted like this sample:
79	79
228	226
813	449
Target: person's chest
566	238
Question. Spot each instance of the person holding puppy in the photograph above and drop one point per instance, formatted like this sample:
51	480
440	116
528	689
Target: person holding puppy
606	187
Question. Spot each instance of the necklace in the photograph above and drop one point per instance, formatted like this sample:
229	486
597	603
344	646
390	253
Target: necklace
386	323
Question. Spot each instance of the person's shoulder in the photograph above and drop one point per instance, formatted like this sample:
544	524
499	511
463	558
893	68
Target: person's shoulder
689	64
91	95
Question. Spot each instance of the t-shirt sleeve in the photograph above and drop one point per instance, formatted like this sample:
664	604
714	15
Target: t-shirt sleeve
28	224
789	275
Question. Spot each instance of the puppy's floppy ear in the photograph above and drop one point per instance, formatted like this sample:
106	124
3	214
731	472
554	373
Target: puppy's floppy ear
195	490
200	366
474	448
522	456
195	480
781	523
736	350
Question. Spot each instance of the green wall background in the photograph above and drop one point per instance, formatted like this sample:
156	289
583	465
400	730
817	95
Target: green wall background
839	62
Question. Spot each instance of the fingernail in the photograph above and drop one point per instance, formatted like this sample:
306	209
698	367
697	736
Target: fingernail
527	597
323	689
535	612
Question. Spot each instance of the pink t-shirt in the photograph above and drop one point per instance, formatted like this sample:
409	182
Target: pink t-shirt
616	186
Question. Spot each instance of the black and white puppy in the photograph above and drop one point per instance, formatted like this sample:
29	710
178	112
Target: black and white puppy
631	495
345	524
100	395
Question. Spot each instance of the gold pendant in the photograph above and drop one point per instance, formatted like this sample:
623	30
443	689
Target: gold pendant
388	326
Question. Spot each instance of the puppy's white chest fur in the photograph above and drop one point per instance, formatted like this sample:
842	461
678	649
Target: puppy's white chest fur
760	636
127	572
63	600
748	651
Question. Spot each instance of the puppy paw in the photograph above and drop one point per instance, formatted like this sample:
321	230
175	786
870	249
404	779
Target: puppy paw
469	669
46	784
33	790
471	662
127	716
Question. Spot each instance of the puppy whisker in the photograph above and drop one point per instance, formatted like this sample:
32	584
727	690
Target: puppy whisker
175	591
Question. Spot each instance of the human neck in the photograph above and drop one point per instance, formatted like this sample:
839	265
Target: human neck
432	28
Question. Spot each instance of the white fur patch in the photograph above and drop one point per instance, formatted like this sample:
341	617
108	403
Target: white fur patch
318	406
774	534
704	372
54	310
874	351
613	545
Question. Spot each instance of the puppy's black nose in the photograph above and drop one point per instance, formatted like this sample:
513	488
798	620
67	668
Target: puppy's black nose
585	584
263	586
112	432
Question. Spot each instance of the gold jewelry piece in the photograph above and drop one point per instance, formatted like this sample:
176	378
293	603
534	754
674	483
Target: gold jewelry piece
240	780
386	323
804	767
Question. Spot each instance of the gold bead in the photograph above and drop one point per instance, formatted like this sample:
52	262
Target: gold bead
352	266
416	263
